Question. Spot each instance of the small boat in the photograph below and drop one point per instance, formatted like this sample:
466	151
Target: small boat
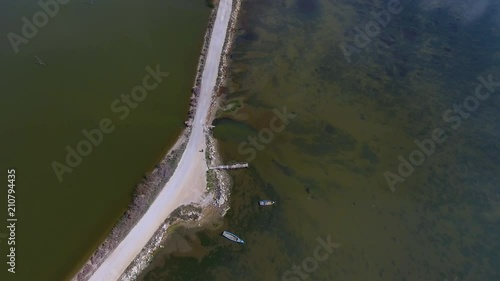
232	237
266	202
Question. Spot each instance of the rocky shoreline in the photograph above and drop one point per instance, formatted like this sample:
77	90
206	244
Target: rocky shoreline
144	193
215	201
148	189
224	183
195	91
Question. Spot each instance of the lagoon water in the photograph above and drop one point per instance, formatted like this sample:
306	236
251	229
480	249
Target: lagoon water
93	54
352	121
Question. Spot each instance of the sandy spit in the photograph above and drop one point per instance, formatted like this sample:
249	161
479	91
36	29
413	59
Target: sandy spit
180	195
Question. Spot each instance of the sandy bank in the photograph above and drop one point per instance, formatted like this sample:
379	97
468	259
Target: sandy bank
188	182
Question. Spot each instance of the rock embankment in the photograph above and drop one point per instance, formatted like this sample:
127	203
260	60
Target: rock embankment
143	195
147	190
222	192
195	91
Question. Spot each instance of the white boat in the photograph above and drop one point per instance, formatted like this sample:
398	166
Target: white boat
266	202
232	237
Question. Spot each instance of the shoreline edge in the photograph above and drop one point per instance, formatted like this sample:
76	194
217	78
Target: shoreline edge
157	179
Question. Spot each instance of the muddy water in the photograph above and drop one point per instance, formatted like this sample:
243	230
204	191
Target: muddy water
348	125
93	54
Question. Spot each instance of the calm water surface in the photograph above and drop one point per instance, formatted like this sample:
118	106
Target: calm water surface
94	53
326	168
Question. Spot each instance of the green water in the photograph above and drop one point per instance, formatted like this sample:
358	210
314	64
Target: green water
326	167
93	54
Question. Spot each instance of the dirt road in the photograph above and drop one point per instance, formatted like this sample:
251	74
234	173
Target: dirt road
188	182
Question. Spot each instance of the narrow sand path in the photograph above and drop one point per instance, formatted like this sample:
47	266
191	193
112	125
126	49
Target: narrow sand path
188	182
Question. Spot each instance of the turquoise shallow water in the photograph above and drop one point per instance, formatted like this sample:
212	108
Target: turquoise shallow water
93	55
352	122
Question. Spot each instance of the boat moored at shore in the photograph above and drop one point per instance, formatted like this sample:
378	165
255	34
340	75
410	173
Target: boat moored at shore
232	237
266	202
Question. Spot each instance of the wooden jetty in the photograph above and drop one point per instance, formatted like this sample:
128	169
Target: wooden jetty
229	167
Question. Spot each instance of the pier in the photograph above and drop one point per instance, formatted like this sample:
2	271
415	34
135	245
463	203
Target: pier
230	167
